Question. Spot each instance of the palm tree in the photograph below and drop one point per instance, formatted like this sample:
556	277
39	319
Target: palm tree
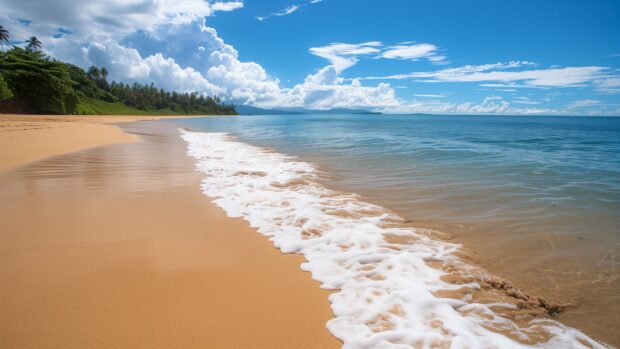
93	73
103	82
4	36
34	44
104	73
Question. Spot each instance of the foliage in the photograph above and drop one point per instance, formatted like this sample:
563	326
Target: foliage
148	97
34	44
43	85
86	87
5	92
4	36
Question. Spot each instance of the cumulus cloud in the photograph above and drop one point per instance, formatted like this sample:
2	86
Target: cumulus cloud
325	89
100	26
127	63
111	19
221	72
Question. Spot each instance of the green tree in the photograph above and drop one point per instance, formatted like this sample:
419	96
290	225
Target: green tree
4	37
104	73
38	83
85	86
5	92
103	81
34	44
94	73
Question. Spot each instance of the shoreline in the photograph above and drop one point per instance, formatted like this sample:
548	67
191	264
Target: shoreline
116	245
274	208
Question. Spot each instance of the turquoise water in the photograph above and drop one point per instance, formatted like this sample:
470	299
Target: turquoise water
533	199
542	168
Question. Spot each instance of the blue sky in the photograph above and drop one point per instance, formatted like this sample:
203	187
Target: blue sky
462	57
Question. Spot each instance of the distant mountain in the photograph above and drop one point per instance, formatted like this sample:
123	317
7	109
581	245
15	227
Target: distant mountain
249	110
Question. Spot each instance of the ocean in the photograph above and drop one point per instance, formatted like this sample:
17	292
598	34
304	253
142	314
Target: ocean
533	200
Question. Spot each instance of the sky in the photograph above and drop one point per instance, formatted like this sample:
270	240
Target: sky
446	57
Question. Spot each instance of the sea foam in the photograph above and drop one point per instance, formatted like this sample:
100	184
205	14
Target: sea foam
382	270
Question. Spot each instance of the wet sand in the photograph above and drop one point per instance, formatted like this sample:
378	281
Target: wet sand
26	138
115	246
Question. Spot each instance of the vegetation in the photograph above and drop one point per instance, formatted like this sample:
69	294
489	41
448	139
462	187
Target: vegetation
38	83
148	97
4	37
33	44
5	92
31	82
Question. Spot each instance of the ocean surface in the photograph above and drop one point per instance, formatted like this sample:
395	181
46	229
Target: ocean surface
534	200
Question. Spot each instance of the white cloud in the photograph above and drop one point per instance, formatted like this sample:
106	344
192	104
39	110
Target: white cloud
227	6
609	85
583	103
414	52
288	10
525	100
127	64
459	71
513	86
219	66
102	20
429	96
489	105
552	77
496	105
343	56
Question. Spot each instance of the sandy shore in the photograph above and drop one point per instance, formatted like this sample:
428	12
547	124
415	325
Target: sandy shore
57	135
115	246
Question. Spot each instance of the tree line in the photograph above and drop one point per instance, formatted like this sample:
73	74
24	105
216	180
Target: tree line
32	82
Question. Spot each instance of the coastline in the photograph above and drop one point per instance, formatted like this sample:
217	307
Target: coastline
275	192
116	245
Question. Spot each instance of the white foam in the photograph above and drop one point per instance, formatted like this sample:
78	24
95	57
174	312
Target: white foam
385	297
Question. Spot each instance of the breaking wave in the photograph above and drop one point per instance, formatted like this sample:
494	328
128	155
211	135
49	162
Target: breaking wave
396	286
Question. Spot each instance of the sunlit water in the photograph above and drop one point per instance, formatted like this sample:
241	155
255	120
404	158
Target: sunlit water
533	199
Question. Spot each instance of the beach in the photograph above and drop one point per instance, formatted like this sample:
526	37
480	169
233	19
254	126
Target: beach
107	241
153	233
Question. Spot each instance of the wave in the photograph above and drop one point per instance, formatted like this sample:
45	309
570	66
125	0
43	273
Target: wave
396	286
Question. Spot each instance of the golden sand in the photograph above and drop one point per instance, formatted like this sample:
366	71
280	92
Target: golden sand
26	138
115	246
